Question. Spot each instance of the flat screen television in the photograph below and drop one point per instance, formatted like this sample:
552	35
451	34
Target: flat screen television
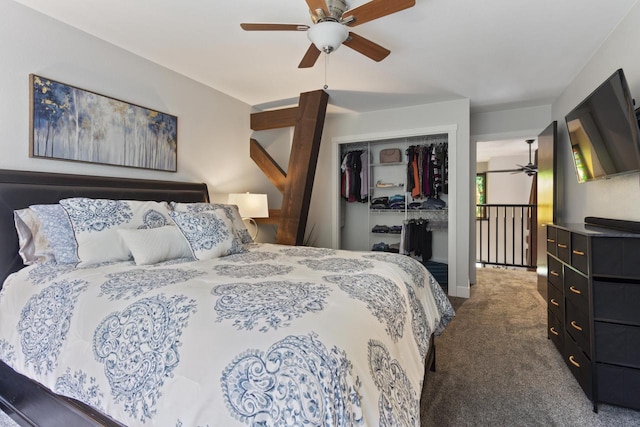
604	133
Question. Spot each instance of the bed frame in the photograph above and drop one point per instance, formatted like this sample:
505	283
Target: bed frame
26	401
29	403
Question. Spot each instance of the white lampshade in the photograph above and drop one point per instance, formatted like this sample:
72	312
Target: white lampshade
327	36
250	205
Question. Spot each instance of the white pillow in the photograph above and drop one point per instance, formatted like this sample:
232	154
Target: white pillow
33	246
154	245
96	223
209	233
231	212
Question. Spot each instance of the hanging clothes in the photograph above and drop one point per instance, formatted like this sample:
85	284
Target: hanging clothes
427	170
417	239
354	179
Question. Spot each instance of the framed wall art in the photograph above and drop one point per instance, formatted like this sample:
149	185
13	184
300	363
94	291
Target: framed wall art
69	123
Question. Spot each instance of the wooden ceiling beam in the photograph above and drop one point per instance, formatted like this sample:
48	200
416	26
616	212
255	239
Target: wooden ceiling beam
274	119
296	184
269	167
303	159
274	218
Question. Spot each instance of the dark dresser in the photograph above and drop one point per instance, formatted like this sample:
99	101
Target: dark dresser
593	297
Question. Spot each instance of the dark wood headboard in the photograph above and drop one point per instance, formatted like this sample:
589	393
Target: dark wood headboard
20	189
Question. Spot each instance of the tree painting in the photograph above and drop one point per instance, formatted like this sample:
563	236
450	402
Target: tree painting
74	124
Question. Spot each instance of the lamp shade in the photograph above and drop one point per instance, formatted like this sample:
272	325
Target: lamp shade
250	205
327	36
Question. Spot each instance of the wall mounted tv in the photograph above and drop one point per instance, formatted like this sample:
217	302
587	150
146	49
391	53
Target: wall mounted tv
604	133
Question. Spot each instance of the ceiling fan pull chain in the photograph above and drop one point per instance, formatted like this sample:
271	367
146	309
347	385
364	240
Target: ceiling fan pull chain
326	59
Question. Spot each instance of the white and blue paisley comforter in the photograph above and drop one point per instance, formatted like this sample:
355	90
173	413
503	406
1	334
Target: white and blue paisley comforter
275	336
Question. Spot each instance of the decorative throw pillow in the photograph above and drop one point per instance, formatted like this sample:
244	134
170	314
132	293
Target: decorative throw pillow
231	211
33	246
209	233
154	245
58	232
96	223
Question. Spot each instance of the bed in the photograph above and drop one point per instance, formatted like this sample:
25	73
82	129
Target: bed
266	335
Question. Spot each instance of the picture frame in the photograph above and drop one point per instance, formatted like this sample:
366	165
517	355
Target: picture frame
74	124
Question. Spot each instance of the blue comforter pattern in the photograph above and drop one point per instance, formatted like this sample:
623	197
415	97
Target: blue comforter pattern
274	336
296	382
139	349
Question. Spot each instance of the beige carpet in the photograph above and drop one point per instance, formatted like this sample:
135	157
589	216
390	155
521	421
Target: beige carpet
496	367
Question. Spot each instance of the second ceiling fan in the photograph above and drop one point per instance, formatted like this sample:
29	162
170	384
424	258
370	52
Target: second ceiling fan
530	168
331	23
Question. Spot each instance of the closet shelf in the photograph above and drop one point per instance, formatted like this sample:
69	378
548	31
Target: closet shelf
375	187
401	211
388	164
395	211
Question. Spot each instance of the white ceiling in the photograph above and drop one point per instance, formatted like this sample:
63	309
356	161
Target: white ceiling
486	150
497	53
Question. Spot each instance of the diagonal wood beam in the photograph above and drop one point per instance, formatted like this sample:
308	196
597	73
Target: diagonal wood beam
269	167
274	119
305	147
274	218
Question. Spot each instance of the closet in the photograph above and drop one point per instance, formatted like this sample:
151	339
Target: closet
394	196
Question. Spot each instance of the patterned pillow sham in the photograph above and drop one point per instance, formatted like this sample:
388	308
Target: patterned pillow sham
33	246
209	233
96	223
58	232
154	245
231	211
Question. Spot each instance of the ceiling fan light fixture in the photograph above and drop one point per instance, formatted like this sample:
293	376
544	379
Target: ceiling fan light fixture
327	36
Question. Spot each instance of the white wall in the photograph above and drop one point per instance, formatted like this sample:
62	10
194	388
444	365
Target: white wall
507	188
618	197
452	113
213	128
509	124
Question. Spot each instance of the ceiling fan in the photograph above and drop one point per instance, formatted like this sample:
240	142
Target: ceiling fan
331	23
530	169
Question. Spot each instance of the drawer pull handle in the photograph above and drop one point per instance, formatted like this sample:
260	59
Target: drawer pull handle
554	273
554	302
553	331
578	252
562	246
551	241
574	290
573	362
576	326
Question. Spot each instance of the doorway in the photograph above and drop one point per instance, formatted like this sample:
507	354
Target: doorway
506	203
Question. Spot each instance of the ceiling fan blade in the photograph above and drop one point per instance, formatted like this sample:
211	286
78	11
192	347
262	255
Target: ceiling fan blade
529	166
274	27
366	47
310	58
504	171
314	5
375	9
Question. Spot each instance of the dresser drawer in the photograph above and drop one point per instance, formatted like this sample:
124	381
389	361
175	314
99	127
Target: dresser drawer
618	385
579	252
555	331
563	244
618	344
555	302
577	325
617	301
576	289
551	240
555	272
579	364
616	257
